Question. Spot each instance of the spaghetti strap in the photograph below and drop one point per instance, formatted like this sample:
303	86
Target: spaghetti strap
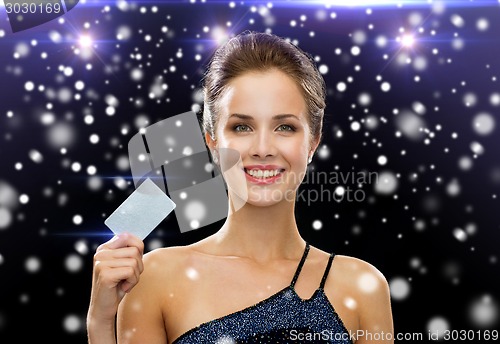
327	270
301	263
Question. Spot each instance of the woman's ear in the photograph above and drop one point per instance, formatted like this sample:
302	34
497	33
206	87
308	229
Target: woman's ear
314	144
210	141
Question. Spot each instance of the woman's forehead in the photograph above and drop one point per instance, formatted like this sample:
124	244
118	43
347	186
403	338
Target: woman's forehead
260	93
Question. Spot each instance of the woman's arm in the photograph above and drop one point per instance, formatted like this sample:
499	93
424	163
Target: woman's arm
375	317
117	267
140	317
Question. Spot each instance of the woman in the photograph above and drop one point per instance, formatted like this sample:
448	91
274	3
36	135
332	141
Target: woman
256	279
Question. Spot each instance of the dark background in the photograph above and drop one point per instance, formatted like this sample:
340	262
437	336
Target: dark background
409	233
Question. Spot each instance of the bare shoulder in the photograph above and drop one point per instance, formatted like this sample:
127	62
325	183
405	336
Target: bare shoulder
149	296
160	255
162	270
368	290
360	277
358	270
163	262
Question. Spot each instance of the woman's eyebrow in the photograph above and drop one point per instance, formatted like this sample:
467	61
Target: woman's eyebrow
275	117
285	115
241	116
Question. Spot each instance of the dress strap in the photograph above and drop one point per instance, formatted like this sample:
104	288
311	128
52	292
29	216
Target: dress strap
327	270
299	268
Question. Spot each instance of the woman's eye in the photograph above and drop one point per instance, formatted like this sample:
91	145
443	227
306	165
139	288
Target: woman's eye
286	127
241	127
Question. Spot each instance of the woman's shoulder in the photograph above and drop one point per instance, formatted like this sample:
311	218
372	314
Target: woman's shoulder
166	258
362	279
163	268
357	267
175	259
164	252
357	274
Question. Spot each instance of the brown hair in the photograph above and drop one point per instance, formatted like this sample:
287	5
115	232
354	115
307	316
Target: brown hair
256	51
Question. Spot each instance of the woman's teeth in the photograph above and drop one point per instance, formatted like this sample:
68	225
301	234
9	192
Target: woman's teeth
263	173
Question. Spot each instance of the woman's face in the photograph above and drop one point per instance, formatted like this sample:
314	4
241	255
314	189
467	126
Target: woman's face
263	117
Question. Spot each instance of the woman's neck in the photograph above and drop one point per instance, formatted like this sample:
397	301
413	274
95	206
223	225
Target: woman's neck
261	233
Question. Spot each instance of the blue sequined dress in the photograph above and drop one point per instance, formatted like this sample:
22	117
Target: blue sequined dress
281	318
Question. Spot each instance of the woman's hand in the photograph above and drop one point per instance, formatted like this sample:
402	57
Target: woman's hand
117	267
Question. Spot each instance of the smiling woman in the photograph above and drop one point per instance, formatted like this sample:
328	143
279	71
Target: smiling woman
256	279
273	138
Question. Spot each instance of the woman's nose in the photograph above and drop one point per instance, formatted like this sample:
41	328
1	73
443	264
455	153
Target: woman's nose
263	145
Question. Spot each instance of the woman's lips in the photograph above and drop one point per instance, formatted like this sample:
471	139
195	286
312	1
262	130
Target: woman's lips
267	175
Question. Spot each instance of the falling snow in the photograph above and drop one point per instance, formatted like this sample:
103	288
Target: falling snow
413	100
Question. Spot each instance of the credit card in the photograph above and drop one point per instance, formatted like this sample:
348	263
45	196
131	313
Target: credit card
141	212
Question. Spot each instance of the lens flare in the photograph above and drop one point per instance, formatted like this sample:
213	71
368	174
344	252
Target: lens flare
407	41
85	41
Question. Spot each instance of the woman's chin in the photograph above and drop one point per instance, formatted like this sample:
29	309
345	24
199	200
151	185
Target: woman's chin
260	197
268	198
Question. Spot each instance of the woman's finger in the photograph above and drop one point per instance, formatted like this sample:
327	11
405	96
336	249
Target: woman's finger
111	277
122	240
121	253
